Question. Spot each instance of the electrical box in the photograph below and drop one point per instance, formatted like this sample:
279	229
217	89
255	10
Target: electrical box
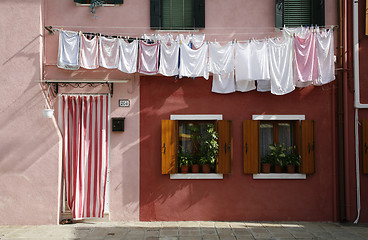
117	124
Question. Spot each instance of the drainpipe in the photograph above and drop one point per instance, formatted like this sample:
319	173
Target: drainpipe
357	104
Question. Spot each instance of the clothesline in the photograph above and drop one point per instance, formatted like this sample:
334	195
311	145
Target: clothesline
302	57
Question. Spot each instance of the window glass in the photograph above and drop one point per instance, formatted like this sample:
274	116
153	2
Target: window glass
285	134
266	137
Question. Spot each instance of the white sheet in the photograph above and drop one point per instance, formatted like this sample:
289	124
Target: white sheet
89	52
221	58
128	56
148	58
109	52
169	59
193	63
68	52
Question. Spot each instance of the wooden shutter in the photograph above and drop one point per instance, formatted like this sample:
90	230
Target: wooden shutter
80	1
169	146
155	14
366	17
251	146
279	13
365	145
297	12
225	155
318	12
307	146
199	10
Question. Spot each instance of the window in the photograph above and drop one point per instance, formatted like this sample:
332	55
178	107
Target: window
259	134
105	1
177	14
294	13
180	138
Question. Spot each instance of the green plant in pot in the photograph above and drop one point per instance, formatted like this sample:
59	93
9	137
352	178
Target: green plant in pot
292	160
184	160
267	162
278	154
208	147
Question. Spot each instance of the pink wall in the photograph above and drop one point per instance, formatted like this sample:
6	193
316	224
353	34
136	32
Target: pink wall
237	196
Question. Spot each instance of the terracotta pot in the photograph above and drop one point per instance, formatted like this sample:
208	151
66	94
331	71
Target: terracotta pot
184	169
206	168
195	168
290	168
278	169
266	167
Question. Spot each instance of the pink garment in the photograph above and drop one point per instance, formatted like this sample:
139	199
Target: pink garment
148	58
306	63
89	53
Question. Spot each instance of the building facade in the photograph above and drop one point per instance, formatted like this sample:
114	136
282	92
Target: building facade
144	160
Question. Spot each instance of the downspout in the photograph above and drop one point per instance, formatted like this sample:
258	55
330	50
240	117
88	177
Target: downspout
357	104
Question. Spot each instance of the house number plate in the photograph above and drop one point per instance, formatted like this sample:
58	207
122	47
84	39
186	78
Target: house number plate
124	103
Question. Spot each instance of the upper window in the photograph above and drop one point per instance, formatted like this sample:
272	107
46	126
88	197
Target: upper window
294	13
177	14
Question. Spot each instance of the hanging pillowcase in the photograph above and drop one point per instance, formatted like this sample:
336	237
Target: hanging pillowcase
148	58
169	59
193	63
89	52
281	66
109	52
68	52
243	80
128	56
306	66
325	56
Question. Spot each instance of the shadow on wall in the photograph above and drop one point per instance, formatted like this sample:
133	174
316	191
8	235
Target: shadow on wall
26	136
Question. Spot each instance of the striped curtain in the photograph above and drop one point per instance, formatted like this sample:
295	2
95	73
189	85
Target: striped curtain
85	127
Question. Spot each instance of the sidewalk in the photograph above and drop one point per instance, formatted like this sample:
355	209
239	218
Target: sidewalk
187	231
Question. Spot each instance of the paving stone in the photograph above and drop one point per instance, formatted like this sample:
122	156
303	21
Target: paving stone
169	232
210	237
190	232
208	231
190	238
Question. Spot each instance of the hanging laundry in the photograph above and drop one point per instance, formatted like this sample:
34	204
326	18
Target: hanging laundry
221	58
325	56
281	66
198	40
243	81
68	52
128	56
259	65
223	83
89	52
169	59
301	32
148	58
109	52
193	63
184	40
306	66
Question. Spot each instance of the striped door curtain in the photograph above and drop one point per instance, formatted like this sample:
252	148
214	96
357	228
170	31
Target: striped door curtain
85	141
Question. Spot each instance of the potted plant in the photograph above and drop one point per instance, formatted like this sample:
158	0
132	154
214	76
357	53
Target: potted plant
266	163
184	161
278	153
292	160
208	147
195	164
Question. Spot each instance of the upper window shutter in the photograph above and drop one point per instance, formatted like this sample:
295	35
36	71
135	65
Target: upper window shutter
279	13
155	14
225	155
365	145
318	12
80	1
307	147
199	9
169	146
251	146
297	12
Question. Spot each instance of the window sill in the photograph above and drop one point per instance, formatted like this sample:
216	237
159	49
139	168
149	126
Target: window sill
196	176
177	31
280	176
105	5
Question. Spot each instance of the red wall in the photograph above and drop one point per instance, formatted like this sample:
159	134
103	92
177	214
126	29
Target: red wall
237	196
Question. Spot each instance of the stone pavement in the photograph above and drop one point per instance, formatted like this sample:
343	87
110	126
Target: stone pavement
187	231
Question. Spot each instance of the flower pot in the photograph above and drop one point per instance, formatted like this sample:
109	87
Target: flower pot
184	169
48	113
266	167
290	168
206	168
195	168
278	169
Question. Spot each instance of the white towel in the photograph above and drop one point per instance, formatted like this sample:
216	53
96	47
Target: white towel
109	52
198	40
128	56
223	83
221	58
281	66
148	58
193	63
243	81
68	52
89	52
325	56
169	59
